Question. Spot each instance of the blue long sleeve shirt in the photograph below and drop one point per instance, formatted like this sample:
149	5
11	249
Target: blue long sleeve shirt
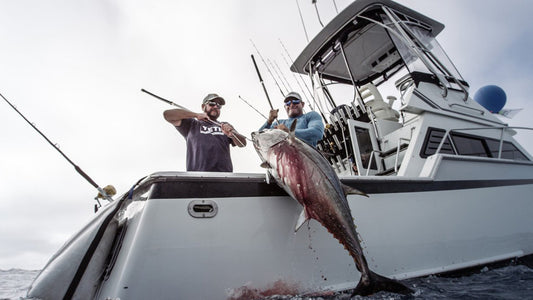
309	128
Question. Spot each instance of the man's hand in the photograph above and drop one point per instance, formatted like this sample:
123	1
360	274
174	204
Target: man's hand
237	138
227	129
273	115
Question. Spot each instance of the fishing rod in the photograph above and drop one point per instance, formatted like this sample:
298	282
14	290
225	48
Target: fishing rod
317	14
299	75
261	80
298	82
184	108
267	67
283	75
103	193
264	88
302	19
286	90
253	107
336	9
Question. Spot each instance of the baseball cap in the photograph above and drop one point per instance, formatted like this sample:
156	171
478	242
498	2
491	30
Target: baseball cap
292	95
213	97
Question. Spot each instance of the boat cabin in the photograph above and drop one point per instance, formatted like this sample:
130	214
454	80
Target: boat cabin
379	51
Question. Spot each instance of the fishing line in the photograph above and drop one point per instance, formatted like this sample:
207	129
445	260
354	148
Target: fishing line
253	107
184	108
77	168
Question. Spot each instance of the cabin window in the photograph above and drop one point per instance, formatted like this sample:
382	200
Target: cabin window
469	145
432	141
365	147
509	151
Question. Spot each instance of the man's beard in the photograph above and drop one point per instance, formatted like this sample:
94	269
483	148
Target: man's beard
212	115
294	113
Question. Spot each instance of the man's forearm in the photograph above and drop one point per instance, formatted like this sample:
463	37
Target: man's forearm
175	116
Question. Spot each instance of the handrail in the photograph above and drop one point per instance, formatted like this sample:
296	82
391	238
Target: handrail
398	153
370	160
465	106
502	128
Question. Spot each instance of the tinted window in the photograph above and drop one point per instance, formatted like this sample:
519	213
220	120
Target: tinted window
509	151
470	146
365	147
433	139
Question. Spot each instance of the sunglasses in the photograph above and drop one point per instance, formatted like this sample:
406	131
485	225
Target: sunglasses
293	101
212	103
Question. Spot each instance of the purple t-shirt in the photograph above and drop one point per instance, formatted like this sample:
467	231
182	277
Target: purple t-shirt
207	146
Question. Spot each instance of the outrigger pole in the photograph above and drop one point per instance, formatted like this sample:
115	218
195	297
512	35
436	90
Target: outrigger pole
78	169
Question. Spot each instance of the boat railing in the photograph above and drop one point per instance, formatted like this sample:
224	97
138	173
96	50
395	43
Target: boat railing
396	155
398	148
468	107
501	128
370	160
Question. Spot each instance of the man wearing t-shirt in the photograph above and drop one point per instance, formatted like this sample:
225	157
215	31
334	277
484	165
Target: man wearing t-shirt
207	140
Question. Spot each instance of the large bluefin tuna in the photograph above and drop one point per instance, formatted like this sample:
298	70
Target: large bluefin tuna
307	177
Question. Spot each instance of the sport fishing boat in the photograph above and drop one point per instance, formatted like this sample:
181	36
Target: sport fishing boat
449	186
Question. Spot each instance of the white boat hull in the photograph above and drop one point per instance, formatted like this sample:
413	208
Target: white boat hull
166	253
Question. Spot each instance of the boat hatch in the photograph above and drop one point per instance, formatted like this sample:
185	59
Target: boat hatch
203	208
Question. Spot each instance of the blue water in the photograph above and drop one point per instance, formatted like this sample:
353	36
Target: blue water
511	282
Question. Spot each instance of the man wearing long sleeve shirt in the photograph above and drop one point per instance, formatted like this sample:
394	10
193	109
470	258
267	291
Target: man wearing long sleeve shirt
309	127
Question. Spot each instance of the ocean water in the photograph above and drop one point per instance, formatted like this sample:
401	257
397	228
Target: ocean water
510	282
14	283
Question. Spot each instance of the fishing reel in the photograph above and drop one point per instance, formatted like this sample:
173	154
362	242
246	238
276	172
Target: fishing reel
109	191
336	143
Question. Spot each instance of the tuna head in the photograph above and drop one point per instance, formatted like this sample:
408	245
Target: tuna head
264	140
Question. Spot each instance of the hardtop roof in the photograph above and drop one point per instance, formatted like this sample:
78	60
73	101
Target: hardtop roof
340	26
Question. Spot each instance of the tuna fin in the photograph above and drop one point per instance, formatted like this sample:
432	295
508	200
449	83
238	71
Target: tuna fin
350	190
377	283
301	220
293	128
265	165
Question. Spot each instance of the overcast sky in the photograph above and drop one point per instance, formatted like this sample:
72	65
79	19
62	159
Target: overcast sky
75	69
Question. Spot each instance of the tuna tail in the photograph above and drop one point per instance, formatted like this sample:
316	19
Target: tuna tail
377	283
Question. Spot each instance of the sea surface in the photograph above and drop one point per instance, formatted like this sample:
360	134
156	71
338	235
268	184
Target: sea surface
510	282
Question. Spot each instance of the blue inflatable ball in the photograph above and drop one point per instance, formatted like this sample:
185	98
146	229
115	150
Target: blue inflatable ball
491	97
